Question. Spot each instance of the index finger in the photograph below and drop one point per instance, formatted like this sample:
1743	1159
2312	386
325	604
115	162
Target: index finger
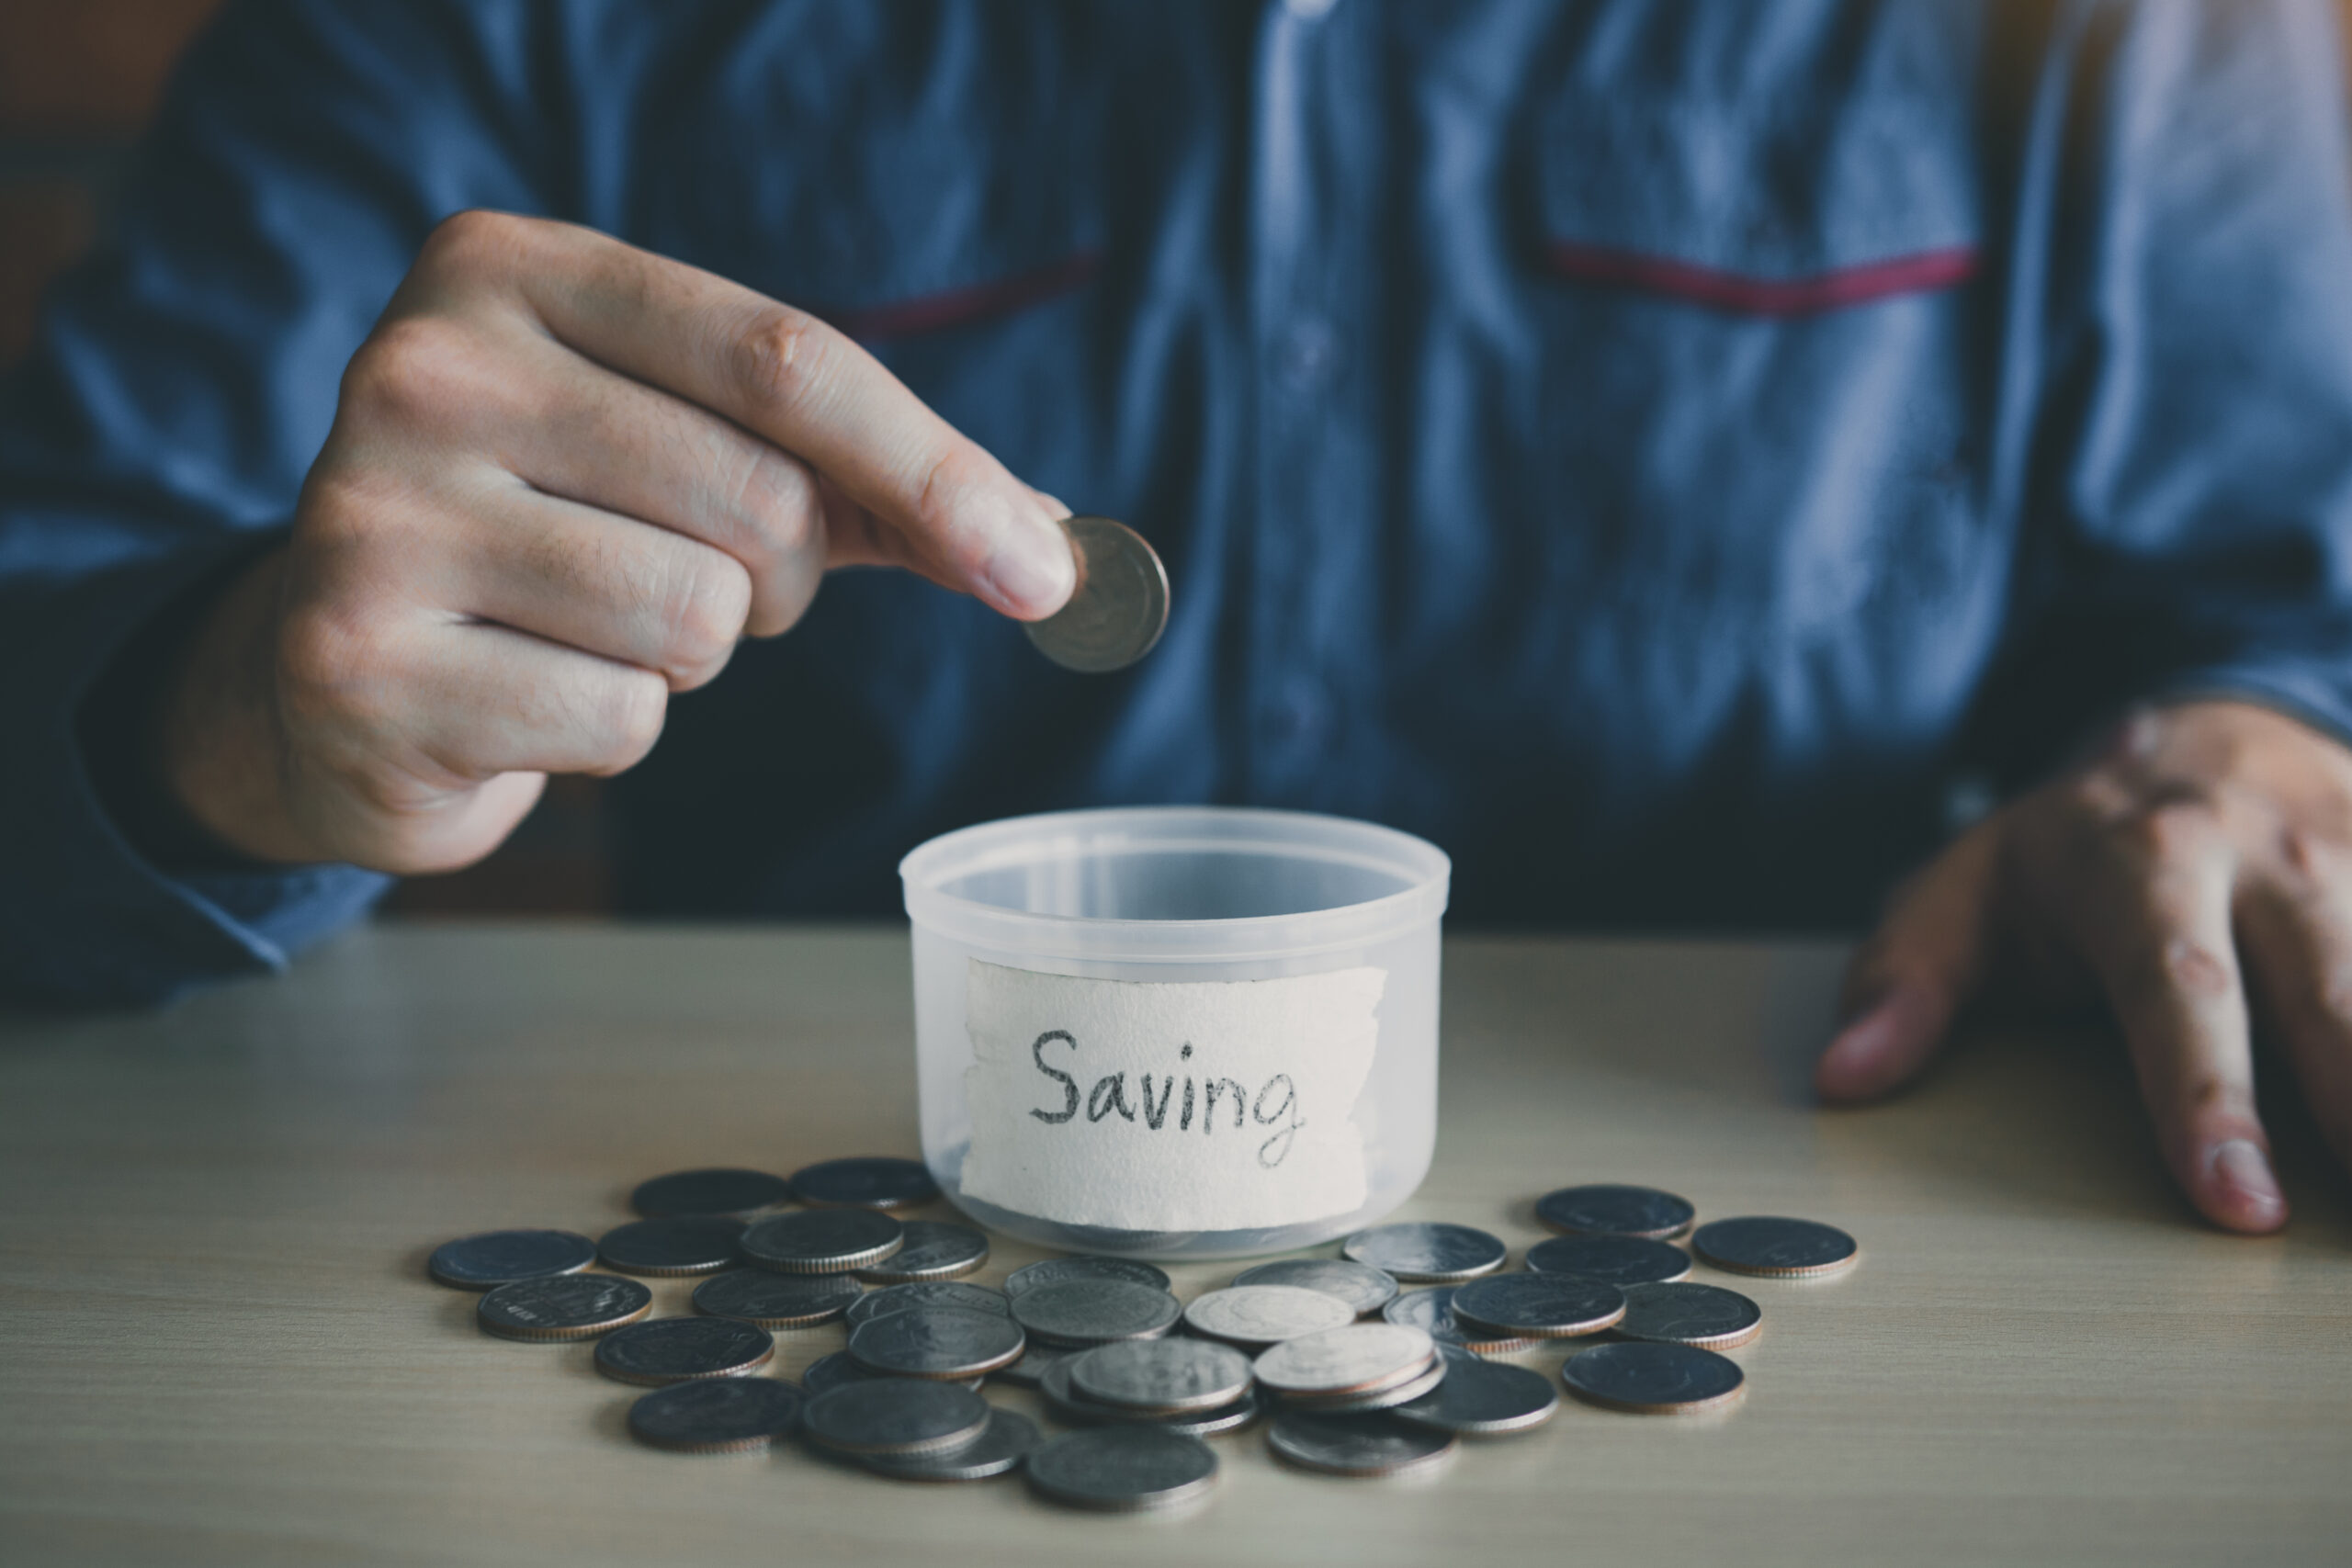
787	376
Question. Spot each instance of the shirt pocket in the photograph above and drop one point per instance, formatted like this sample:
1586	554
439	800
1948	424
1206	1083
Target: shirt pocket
1767	211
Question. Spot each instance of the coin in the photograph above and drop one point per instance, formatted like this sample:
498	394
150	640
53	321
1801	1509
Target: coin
1000	1447
685	1243
562	1306
501	1257
831	1371
715	1191
1427	1252
1361	1286
928	1293
821	1241
1161	1377
1064	1401
1377	1444
1255	1317
1705	1315
1411	1386
1481	1398
1122	1467
1607	1209
1053	1270
676	1350
933	1249
895	1416
1119	607
871	1181
1431	1312
1619	1260
1360	1356
1539	1307
1767	1244
776	1301
718	1416
945	1343
1035	1361
1652	1379
1094	1312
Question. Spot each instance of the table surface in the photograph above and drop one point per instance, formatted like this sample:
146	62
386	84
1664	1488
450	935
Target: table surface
217	1343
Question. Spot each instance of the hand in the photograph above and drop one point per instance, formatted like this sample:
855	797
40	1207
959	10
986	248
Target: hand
564	477
2204	856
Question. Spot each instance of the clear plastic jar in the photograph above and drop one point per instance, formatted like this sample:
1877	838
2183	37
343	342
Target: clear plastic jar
1177	1032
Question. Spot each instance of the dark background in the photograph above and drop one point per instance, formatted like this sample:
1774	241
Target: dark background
78	78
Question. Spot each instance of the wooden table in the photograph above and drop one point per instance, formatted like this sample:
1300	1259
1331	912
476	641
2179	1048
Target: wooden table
217	1343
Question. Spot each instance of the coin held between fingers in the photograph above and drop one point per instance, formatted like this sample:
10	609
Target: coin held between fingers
1120	607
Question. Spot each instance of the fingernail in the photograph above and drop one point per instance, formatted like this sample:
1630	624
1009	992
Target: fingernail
1032	570
2240	1165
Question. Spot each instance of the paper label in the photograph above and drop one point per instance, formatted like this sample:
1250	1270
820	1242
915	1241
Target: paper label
1169	1105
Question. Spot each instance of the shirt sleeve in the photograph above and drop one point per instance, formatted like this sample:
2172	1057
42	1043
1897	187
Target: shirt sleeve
182	382
2180	304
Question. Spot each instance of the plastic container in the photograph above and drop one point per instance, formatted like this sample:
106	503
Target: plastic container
1177	1032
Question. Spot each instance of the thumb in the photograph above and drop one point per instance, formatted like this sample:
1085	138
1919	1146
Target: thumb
1904	985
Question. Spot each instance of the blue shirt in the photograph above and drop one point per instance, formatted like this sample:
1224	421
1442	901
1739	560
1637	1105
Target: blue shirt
1650	450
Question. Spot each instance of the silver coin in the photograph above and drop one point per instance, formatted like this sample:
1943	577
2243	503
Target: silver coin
1705	1315
1122	1467
945	1343
1652	1379
1119	607
821	1241
1255	1317
1358	1358
1066	1401
684	1244
933	1249
1094	1312
868	1182
1054	1270
928	1293
501	1257
1482	1398
1619	1260
677	1349
717	1192
1537	1306
1033	1365
562	1306
716	1416
1161	1377
776	1301
895	1416
1362	1286
1431	1312
1604	1208
1377	1444
1000	1448
1770	1245
1399	1391
831	1371
1422	1252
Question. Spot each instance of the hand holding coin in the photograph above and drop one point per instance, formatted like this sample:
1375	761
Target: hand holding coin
1120	607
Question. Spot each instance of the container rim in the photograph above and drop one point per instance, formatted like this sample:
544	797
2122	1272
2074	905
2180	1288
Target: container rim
1053	837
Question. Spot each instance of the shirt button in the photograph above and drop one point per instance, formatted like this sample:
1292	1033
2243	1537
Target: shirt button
1308	356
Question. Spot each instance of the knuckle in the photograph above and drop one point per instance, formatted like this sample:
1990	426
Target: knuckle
331	663
706	615
780	497
635	707
405	372
2168	831
466	240
781	359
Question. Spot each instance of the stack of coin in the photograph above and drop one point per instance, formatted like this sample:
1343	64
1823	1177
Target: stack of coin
1365	1366
1185	1385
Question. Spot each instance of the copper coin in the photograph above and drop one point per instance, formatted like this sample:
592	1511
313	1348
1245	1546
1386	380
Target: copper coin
562	1306
1705	1315
685	1243
501	1257
1653	1379
1604	1208
1770	1245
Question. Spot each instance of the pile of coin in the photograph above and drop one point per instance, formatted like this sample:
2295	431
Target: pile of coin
1359	1375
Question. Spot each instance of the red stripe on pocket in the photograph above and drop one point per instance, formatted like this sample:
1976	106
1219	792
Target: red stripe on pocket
1754	295
935	312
